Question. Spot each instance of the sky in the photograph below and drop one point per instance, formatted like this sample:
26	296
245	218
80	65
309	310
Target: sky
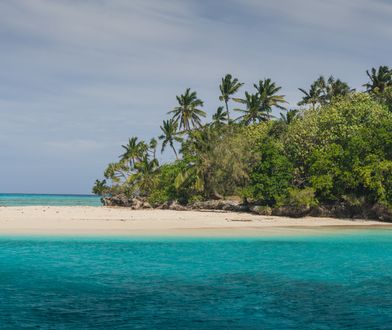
79	77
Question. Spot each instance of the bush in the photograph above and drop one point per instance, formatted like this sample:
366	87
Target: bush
195	198
165	189
299	198
158	197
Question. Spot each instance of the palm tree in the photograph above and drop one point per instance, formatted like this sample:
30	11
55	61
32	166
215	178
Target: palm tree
267	91
188	113
170	135
228	87
144	178
290	116
153	147
134	151
131	150
115	172
379	79
315	94
220	117
253	109
335	88
199	170
324	91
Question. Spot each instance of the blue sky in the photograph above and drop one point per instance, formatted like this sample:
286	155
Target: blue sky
78	77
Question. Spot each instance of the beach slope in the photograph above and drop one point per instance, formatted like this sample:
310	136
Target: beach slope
85	220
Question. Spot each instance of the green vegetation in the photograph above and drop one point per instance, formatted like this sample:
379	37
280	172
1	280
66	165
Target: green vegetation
335	148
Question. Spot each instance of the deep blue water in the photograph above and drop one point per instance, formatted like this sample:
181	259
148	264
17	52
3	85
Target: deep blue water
47	199
326	282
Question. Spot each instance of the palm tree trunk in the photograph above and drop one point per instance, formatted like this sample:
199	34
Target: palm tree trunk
227	110
174	149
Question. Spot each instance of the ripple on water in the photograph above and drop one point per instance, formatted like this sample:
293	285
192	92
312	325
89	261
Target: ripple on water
329	282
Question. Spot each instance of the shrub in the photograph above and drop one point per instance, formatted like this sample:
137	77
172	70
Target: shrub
165	189
301	198
195	198
158	197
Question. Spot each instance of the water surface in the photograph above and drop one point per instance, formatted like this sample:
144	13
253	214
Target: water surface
324	282
48	200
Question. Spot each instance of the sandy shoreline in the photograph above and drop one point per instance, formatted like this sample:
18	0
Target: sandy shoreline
85	220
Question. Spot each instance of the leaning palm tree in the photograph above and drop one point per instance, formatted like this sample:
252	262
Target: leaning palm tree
253	110
220	117
188	111
116	172
379	79
267	91
170	135
228	87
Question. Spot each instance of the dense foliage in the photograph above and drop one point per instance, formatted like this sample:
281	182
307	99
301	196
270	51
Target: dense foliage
336	147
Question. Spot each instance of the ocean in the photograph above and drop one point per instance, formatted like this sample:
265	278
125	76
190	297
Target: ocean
310	282
47	199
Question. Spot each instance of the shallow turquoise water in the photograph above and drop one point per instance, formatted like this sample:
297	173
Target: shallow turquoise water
328	282
46	199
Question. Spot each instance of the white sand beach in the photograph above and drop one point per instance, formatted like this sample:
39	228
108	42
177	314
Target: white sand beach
85	220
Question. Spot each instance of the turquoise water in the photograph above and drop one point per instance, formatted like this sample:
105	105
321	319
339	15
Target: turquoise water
325	282
46	199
